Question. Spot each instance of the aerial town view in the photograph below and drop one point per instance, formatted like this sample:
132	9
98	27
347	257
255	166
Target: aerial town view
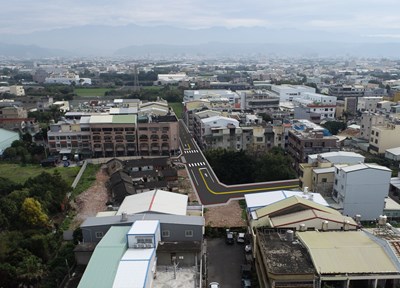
188	144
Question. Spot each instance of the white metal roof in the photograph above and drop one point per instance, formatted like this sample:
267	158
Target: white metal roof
394	151
144	227
356	167
133	254
131	274
256	200
158	201
329	155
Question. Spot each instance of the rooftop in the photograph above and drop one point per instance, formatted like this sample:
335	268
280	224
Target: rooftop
349	252
103	265
283	257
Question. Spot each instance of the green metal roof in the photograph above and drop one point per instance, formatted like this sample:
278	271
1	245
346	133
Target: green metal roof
103	264
124	119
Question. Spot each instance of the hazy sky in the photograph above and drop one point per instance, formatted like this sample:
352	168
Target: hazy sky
368	18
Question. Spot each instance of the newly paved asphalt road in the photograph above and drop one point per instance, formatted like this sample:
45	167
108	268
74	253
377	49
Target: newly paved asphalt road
209	189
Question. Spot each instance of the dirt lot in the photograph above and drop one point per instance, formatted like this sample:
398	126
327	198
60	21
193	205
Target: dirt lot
94	200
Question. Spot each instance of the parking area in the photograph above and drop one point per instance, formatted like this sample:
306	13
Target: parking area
224	262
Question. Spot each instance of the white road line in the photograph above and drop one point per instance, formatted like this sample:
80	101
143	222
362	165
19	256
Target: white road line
190	164
208	173
194	177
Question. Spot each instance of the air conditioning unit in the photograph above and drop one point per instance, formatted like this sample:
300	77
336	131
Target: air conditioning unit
135	245
141	245
149	245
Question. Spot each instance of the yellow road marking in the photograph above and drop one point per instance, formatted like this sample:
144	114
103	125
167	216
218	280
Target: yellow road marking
245	190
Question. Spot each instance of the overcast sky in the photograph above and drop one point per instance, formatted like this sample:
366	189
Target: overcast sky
367	18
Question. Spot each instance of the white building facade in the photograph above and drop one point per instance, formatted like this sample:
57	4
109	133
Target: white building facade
361	189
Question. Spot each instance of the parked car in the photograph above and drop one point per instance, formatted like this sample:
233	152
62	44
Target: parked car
240	238
213	285
229	237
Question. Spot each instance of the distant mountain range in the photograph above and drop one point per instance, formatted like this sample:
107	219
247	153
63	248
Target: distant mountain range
134	40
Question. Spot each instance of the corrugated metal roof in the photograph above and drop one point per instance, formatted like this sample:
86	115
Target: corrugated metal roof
356	167
155	201
346	252
289	202
144	227
255	200
104	262
133	268
164	218
302	216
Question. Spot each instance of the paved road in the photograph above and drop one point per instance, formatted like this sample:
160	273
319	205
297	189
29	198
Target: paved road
209	189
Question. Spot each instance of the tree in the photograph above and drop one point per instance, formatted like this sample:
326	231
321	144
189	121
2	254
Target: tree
32	213
30	270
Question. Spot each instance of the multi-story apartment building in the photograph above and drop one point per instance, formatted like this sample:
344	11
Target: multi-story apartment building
361	189
384	137
17	90
368	103
368	120
192	107
317	106
344	91
110	135
307	138
217	132
319	174
259	101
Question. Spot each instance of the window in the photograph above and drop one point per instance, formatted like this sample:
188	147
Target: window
377	134
324	180
99	234
144	240
376	141
165	233
188	233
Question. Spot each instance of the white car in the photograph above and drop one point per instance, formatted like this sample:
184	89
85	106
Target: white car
240	238
213	285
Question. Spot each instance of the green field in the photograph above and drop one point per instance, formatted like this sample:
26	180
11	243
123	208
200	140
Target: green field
91	92
177	107
19	174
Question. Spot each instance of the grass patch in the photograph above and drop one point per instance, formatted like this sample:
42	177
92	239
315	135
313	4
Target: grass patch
177	107
91	92
20	173
87	179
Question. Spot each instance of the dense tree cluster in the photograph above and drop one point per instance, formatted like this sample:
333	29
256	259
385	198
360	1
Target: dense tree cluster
24	151
240	167
28	238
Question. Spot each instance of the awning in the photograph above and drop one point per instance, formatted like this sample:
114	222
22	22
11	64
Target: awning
65	151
